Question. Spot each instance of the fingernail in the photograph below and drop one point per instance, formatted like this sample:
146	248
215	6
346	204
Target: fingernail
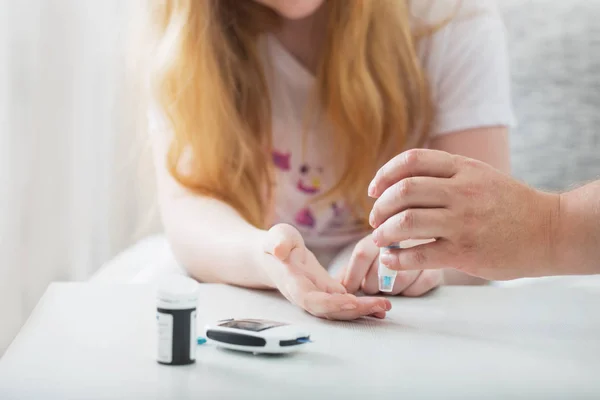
372	219
377	309
349	307
388	306
372	189
386	259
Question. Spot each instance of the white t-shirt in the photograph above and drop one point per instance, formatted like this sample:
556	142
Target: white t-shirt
466	63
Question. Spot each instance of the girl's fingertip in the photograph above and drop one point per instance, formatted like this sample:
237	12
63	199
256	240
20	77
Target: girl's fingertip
380	315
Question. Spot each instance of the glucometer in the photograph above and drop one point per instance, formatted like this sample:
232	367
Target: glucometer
257	336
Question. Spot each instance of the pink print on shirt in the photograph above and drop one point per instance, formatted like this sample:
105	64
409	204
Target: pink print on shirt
310	179
305	218
282	160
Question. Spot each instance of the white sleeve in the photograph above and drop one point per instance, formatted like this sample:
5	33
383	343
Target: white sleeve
469	73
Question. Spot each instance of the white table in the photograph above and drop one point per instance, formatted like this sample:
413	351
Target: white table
94	341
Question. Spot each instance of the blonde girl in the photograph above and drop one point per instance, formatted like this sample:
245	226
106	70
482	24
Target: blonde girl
269	118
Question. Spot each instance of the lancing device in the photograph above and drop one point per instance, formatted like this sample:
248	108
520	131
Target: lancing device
387	276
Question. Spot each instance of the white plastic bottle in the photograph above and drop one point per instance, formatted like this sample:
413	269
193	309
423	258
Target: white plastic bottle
176	302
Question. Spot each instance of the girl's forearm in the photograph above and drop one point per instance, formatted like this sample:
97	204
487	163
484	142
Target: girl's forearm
213	242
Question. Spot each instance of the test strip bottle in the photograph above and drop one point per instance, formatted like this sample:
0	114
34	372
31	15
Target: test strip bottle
176	303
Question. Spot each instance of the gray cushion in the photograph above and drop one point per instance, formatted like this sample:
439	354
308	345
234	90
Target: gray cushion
555	62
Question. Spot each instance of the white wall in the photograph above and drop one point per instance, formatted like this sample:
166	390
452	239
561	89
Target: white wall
69	194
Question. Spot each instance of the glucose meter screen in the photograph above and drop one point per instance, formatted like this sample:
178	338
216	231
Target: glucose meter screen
254	325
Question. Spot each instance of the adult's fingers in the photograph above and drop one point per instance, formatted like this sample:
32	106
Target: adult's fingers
281	240
417	192
415	224
434	255
363	256
415	162
427	281
402	281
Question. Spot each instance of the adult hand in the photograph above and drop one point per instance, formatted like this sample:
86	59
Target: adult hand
485	223
361	274
298	275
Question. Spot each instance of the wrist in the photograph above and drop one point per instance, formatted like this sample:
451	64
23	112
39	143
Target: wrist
555	243
260	259
570	237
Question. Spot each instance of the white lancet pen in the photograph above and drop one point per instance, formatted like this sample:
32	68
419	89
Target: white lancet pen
387	277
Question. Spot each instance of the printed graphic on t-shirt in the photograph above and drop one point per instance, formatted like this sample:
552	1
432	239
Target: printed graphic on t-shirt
282	160
310	179
298	184
342	221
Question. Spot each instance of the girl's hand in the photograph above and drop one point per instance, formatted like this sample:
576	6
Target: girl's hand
361	274
295	271
485	223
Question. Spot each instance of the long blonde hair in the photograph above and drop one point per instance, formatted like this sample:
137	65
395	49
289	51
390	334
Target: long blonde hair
208	78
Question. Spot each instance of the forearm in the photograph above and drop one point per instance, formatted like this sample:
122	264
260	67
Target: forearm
213	242
458	278
577	232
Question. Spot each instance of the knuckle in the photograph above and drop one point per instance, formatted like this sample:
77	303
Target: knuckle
404	188
471	163
470	190
455	162
463	162
412	158
417	256
361	254
406	220
365	249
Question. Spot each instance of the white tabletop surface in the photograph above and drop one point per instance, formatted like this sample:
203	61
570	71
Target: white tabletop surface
94	341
